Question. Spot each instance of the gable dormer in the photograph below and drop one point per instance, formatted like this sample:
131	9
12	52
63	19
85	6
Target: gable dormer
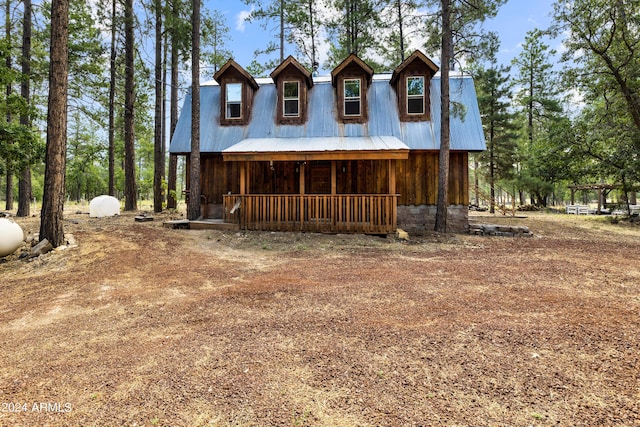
352	79
237	89
412	80
293	83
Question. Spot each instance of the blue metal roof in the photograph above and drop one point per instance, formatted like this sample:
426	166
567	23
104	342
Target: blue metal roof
466	132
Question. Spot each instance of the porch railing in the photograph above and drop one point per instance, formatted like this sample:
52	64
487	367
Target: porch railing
341	213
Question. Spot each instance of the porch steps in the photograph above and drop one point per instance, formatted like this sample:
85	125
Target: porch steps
201	224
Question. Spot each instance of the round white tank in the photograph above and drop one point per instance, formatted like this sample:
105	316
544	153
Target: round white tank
104	206
11	236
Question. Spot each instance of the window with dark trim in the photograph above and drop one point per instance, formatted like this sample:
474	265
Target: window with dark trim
415	95
352	97
233	100
291	99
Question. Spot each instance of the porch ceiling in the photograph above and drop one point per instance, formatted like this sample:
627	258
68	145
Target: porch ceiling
318	148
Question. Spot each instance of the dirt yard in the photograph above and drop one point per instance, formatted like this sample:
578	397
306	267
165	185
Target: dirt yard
142	325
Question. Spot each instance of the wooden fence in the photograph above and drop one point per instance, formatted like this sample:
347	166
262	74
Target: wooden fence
342	213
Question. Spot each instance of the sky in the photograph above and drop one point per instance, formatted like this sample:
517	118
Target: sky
513	21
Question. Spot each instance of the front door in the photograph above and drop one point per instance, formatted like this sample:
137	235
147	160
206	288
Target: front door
320	175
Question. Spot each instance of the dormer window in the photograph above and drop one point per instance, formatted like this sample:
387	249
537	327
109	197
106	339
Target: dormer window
415	95
352	97
233	97
293	85
412	80
237	90
351	80
291	99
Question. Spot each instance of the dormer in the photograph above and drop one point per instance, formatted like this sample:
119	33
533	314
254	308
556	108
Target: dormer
412	80
237	89
293	83
352	79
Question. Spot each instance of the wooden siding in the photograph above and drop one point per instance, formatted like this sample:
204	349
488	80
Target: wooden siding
416	178
218	178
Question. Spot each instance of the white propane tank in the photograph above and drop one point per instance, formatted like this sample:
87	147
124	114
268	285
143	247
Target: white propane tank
104	206
11	236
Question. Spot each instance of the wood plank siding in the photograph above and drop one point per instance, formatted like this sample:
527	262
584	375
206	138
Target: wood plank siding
416	178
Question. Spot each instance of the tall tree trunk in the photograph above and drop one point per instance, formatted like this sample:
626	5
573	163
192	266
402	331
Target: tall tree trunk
25	192
172	203
530	103
314	61
112	103
443	164
193	209
24	187
281	31
51	227
401	29
163	137
130	189
492	163
158	171
9	188
9	90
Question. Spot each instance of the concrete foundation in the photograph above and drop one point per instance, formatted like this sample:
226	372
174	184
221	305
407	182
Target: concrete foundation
423	218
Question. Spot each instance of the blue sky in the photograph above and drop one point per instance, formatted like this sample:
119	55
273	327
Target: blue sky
513	21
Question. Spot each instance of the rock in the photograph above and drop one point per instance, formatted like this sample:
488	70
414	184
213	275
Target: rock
402	234
71	241
41	248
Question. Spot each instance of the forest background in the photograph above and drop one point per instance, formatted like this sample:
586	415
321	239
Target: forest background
551	118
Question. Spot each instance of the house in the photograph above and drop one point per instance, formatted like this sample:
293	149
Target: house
350	152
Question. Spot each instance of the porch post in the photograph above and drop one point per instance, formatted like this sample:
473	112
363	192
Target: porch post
392	191
334	184
243	177
302	191
392	176
335	206
302	172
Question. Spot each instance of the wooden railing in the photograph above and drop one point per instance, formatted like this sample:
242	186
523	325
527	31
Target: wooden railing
341	213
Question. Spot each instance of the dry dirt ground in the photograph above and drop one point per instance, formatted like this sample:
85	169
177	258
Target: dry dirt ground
142	325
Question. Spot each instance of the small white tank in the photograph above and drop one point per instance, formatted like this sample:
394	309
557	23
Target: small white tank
104	206
11	236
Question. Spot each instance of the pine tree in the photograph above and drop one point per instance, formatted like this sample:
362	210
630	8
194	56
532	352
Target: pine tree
193	207
24	186
458	19
494	99
51	226
130	189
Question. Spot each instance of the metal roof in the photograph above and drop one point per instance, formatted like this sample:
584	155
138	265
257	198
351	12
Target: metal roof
466	131
318	148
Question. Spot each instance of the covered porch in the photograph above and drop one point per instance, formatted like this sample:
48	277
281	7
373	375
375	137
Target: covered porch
345	185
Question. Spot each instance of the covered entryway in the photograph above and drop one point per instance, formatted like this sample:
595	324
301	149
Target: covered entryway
340	184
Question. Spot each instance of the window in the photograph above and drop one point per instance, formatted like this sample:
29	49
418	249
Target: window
291	99
352	97
234	100
415	95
